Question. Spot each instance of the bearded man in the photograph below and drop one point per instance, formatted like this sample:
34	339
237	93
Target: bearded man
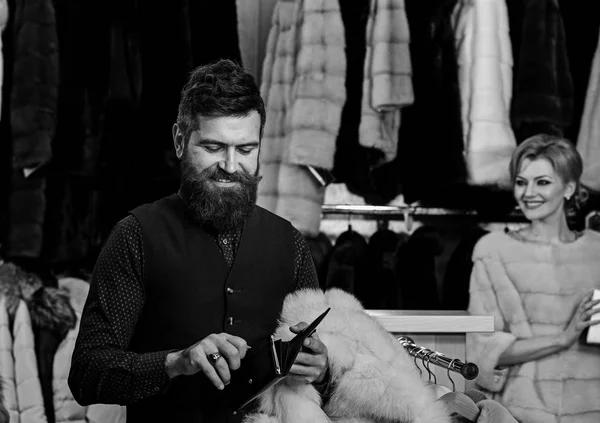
183	286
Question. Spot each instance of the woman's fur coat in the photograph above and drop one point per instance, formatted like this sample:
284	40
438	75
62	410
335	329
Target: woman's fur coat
373	379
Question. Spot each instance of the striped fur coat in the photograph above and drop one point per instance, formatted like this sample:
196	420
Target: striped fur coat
303	84
387	82
531	289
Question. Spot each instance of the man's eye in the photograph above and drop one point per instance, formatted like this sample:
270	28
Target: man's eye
212	148
246	150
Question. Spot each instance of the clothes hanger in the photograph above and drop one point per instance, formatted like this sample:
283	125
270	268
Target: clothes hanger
416	364
458	403
408	220
437	390
383	224
426	365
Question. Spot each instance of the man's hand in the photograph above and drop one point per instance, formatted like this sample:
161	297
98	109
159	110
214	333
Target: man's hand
311	364
195	358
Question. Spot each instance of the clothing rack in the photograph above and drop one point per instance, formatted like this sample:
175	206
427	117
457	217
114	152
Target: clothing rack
468	370
407	211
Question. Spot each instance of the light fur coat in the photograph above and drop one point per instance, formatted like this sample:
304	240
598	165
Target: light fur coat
373	378
387	81
587	141
303	84
531	289
485	74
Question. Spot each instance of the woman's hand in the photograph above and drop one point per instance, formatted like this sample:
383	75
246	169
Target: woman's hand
580	320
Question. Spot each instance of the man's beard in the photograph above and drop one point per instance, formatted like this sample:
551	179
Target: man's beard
222	208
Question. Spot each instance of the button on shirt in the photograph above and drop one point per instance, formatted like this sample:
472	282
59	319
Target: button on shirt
115	301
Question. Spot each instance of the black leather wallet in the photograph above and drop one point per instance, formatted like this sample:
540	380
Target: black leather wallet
266	364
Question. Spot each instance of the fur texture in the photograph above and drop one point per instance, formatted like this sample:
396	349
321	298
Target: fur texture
587	141
372	377
15	285
303	79
387	83
49	307
485	58
4	416
531	290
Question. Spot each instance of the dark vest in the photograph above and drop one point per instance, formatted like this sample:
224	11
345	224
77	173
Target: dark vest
190	292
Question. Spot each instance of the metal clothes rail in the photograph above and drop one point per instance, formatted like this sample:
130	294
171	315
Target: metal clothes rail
468	370
411	211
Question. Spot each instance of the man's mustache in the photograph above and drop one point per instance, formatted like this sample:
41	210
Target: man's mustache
238	176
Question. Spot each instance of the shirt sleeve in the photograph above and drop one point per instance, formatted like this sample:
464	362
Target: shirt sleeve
305	273
485	349
102	370
305	277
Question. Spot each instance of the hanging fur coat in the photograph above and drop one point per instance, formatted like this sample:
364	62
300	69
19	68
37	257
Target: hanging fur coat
3	22
588	143
485	61
372	377
302	83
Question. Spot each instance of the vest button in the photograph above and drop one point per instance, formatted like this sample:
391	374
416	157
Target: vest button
229	290
230	321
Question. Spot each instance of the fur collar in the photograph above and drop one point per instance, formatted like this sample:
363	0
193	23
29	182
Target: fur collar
48	307
373	379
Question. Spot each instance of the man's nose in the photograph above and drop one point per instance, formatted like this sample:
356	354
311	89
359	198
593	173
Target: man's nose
229	164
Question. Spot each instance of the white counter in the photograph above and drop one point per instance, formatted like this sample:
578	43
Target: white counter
441	331
424	321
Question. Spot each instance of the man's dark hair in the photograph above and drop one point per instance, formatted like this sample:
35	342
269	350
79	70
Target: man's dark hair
218	89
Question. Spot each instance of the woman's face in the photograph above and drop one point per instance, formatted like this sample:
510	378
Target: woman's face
540	191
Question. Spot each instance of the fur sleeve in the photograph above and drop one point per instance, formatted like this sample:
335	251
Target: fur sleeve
373	378
485	349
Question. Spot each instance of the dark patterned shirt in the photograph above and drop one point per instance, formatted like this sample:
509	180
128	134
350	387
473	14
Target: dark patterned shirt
103	370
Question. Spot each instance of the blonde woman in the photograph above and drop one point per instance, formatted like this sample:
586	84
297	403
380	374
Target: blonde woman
537	282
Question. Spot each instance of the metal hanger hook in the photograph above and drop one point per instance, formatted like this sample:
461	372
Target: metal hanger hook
426	364
449	367
417	356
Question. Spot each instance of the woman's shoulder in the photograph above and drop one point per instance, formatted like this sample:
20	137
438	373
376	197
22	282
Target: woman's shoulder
514	245
492	244
590	239
591	235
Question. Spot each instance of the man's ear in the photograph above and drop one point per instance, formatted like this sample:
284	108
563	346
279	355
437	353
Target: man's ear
178	141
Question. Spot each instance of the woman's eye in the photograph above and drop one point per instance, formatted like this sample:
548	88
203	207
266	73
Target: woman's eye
543	182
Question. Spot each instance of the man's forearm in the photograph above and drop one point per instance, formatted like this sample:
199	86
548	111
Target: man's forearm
117	377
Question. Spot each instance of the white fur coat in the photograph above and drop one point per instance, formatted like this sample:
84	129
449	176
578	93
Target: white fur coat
373	378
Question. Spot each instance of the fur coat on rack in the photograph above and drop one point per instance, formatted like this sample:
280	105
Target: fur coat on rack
373	379
49	307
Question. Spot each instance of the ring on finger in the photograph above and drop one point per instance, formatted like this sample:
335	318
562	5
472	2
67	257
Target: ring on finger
213	358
